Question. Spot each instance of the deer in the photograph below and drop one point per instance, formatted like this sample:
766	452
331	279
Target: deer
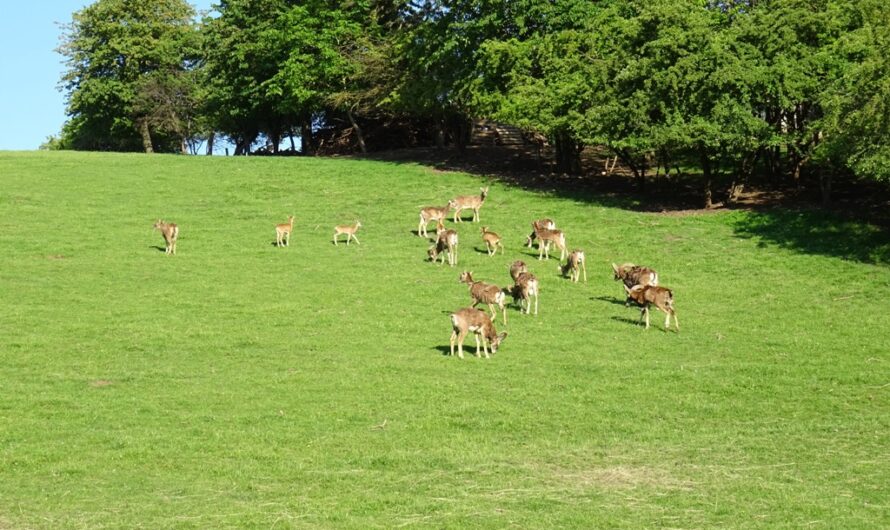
472	202
633	275
575	264
283	230
469	319
545	238
485	293
525	285
349	230
445	243
492	241
170	232
661	297
540	224
432	213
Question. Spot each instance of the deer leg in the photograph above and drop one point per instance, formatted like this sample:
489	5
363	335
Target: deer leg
584	268
460	343
476	336
453	338
667	321
335	239
357	242
646	312
494	314
536	304
485	345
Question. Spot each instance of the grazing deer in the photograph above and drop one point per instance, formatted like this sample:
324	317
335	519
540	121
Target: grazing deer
662	297
485	293
469	319
540	224
283	230
432	213
545	238
170	232
472	202
575	264
492	241
349	230
633	275
525	285
446	243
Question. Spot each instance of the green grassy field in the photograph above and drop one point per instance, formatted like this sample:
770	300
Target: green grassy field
242	385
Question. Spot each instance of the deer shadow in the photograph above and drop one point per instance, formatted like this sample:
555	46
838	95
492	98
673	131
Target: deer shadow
626	320
158	248
613	301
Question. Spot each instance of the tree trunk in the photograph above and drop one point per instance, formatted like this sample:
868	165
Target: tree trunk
146	136
210	140
825	177
568	154
184	145
358	132
440	136
706	173
306	138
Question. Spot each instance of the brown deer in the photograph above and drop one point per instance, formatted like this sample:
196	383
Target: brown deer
349	230
283	230
469	319
540	224
446	243
432	213
525	286
547	237
472	202
632	275
575	264
661	297
485	293
492	241
170	232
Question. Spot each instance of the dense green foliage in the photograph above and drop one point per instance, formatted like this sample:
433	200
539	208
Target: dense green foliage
793	90
239	385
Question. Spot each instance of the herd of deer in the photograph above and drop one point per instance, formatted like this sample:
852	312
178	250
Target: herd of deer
640	283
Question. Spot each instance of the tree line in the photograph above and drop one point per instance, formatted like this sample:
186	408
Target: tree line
788	90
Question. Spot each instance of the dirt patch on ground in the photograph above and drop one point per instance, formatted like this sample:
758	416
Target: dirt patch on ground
56	257
100	383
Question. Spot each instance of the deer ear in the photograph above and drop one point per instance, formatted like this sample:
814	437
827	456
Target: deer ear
615	268
628	289
502	336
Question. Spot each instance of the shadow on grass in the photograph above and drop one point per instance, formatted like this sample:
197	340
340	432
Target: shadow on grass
609	299
816	232
156	247
634	321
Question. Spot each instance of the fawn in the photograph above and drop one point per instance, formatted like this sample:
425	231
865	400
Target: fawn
545	238
540	224
283	230
525	286
469	319
485	293
170	232
349	230
575	264
472	202
492	241
446	243
432	213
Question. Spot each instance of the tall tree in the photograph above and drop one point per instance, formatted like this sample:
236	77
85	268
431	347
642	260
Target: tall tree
116	50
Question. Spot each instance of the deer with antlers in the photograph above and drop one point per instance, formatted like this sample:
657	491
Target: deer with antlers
632	275
349	230
575	264
282	232
468	319
446	244
492	241
432	213
171	233
485	293
525	286
472	202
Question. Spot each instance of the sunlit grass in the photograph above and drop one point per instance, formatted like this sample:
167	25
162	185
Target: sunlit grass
239	384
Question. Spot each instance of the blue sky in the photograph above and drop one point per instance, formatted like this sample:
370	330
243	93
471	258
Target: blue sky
31	107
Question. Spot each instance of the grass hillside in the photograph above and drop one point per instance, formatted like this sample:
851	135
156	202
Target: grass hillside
242	385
